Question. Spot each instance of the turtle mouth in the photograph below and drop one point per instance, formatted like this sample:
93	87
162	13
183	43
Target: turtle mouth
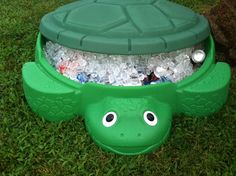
133	150
128	150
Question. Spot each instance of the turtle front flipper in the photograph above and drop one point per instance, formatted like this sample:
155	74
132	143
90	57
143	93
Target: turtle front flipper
207	94
46	96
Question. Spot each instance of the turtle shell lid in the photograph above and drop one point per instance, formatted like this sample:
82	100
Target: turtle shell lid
125	26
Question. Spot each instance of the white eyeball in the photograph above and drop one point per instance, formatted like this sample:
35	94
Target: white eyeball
150	118
109	119
198	56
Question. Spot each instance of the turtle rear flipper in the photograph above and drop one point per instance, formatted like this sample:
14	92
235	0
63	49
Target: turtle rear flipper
46	96
207	94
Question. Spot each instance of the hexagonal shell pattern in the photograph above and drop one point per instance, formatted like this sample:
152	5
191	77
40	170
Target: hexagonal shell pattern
125	27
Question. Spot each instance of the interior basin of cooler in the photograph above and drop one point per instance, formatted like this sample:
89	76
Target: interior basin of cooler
122	70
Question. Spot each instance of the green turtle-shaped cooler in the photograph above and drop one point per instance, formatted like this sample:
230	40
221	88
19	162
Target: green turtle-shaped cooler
125	120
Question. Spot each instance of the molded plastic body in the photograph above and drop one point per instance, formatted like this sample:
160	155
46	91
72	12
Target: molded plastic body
125	26
55	98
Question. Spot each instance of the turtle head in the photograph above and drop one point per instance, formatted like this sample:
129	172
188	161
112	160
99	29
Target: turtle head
128	125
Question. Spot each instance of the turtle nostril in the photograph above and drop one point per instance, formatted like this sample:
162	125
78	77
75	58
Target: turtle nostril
139	134
121	134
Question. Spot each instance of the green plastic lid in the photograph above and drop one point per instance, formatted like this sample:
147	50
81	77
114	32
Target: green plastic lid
125	26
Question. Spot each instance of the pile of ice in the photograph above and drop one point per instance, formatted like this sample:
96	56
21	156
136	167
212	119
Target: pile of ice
120	70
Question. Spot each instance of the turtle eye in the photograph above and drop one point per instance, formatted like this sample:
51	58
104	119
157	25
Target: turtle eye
109	119
150	118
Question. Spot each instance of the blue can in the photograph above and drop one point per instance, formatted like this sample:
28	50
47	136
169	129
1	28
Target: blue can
82	77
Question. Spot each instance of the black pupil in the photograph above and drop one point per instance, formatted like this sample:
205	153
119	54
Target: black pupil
150	117
109	117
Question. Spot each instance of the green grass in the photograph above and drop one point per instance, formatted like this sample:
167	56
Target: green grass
31	146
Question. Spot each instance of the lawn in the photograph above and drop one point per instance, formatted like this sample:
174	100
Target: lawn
32	146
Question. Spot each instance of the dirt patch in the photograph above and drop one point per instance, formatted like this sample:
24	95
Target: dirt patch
223	22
